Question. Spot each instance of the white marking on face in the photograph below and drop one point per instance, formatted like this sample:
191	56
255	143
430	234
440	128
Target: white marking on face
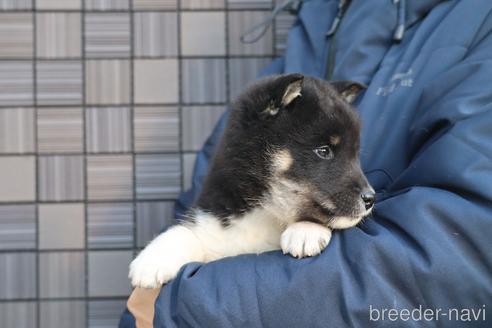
282	161
272	110
328	204
303	238
335	140
343	222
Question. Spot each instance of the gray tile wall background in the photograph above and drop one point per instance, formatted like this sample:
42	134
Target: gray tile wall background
103	105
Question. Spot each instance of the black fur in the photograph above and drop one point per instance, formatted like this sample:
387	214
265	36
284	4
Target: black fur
241	169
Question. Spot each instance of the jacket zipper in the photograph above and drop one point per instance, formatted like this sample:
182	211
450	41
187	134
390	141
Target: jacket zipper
332	33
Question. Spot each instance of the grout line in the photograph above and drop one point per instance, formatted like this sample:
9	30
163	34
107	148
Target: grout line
227	55
180	93
65	250
94	201
81	298
37	172
132	125
72	154
122	11
190	104
76	59
85	166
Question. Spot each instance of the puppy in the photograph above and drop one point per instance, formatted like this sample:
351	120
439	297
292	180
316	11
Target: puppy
285	174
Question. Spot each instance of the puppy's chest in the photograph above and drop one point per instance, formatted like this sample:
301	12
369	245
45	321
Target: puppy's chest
284	201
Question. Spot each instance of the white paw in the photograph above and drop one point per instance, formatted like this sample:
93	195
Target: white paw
304	238
152	269
161	260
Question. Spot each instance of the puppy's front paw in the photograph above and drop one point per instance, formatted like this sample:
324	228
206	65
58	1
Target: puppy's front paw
151	269
305	238
161	260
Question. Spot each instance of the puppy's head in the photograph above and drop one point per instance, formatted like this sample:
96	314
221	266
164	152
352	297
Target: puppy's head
312	133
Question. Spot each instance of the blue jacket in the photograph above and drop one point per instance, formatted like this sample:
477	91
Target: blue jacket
426	149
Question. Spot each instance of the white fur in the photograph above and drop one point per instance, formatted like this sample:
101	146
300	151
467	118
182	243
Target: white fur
282	161
342	222
161	260
304	238
203	241
270	226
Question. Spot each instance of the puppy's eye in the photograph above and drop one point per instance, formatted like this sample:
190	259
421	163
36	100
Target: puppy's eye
324	152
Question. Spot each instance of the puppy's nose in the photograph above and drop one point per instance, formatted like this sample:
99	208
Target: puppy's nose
369	197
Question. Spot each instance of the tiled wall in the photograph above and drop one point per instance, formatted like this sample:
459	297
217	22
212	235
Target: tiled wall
103	105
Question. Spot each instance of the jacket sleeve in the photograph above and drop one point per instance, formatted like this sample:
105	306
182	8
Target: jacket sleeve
427	245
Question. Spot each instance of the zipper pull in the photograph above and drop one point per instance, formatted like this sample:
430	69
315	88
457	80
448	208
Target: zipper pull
342	7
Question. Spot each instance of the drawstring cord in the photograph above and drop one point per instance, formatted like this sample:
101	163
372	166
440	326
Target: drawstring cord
400	28
292	5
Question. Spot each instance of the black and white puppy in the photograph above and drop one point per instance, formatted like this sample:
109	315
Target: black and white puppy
285	174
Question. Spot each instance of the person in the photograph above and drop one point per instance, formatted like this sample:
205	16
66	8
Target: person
426	148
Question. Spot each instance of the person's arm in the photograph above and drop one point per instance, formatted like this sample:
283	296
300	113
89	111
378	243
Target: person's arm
428	244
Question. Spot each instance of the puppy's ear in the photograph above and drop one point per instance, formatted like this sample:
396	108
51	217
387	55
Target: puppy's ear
285	90
292	87
349	90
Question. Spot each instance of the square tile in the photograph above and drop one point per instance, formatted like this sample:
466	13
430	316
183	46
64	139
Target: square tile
61	226
105	314
108	129
110	177
239	23
18	178
15	4
188	167
243	71
203	80
197	40
16	83
156	81
156	34
59	130
16	130
202	4
58	4
198	123
61	178
58	35
108	273
16	35
18	314
62	314
158	176
59	82
18	272
107	4
154	4
62	274
152	217
107	82
110	225
250	4
107	35
156	129
17	227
